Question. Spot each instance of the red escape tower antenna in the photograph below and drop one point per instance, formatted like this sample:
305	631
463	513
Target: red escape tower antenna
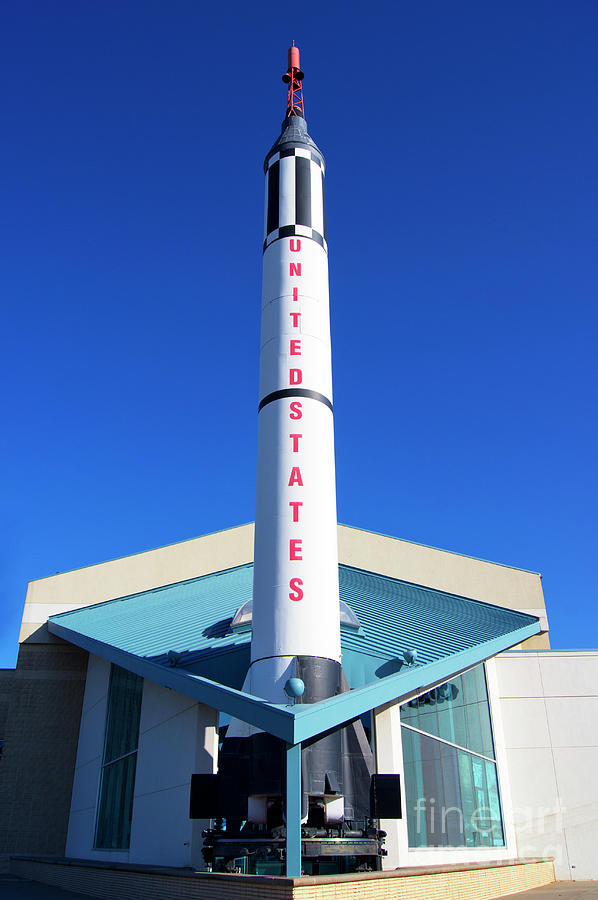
293	77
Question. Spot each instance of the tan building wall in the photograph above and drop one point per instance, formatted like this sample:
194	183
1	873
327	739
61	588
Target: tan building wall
40	745
440	569
131	574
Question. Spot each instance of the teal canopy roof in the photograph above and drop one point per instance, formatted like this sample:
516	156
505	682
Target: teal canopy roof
193	618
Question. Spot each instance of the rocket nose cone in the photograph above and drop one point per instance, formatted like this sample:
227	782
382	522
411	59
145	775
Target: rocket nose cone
293	132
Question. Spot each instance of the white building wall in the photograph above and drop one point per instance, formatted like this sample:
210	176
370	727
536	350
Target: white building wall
177	737
86	781
549	710
389	760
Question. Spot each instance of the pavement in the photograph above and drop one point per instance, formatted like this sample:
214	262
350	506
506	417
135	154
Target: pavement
13	888
561	890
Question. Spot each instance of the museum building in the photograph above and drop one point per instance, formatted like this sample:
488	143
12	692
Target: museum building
129	672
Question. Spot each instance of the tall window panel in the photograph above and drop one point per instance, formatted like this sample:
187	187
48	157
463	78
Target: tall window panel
115	807
451	780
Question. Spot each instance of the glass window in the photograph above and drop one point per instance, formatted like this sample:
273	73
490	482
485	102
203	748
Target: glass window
451	782
115	807
457	711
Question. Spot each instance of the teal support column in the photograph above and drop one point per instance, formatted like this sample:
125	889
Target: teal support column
293	810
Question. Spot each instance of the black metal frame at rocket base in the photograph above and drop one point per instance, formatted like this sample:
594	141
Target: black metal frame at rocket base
341	798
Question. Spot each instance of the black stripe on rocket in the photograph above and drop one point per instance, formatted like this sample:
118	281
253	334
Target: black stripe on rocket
273	197
294	392
295	231
309	220
291	151
302	191
323	208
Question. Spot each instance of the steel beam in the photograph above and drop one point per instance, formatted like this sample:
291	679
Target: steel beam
293	868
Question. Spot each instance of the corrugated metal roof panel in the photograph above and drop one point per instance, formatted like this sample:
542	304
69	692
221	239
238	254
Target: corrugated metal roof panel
193	618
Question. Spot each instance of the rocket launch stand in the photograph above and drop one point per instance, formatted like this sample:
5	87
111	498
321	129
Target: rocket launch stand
292	843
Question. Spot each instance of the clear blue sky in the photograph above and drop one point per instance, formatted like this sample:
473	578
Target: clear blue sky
461	144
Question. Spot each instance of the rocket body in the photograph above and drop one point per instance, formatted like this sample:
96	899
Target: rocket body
296	610
296	614
295	591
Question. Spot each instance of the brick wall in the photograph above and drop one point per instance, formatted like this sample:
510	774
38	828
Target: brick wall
7	677
40	745
480	882
470	884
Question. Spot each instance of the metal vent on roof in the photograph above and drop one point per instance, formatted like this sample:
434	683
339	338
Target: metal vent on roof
243	616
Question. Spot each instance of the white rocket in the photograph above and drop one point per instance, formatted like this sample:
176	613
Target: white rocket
295	586
295	646
295	582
